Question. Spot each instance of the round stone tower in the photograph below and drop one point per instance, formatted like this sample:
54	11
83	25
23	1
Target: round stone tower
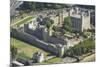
40	57
60	49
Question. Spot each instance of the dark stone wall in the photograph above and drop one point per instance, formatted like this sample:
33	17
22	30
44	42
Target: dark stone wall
33	41
55	40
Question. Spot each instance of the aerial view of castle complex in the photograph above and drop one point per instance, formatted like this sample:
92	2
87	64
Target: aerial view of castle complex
51	33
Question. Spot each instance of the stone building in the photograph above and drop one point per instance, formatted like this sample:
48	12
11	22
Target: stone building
92	19
33	24
60	18
38	57
80	19
37	34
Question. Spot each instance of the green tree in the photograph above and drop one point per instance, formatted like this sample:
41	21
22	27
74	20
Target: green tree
67	24
14	52
55	28
31	6
49	23
82	48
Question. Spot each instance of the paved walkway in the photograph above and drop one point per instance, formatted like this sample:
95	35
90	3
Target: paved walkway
89	58
69	60
19	21
50	57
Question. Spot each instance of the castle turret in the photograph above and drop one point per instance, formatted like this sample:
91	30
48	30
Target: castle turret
38	57
60	49
60	18
26	27
85	18
45	34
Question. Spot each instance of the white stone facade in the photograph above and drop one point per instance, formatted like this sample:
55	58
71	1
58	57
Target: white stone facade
80	19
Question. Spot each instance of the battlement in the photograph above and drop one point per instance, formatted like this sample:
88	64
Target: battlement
79	12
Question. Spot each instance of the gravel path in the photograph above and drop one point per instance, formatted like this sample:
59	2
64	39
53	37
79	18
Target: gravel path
89	58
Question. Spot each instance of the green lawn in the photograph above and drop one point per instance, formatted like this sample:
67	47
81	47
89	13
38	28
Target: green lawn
25	20
25	50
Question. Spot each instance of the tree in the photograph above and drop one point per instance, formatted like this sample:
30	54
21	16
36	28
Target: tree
28	6
81	48
55	28
32	6
13	51
67	24
49	23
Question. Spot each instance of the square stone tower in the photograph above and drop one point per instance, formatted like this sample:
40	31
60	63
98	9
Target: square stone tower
80	19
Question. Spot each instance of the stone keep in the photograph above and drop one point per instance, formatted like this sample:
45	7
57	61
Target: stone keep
80	19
